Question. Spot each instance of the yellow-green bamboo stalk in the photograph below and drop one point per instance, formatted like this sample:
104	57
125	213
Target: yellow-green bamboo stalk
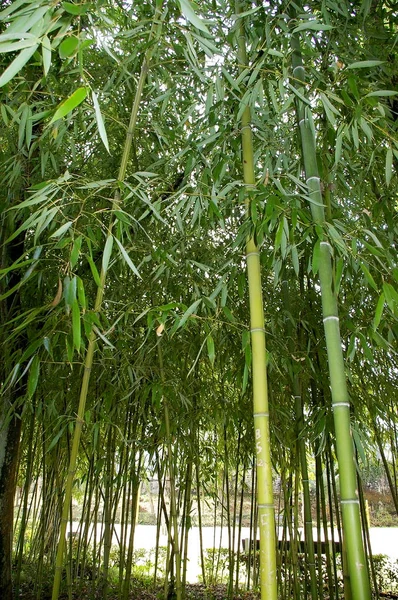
266	511
88	362
353	541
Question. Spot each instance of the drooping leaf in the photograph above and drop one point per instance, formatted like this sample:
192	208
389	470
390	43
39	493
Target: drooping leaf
190	311
189	13
17	64
379	311
381	94
100	121
210	349
127	258
61	230
107	252
365	64
70	104
46	54
94	270
313	26
388	165
76	325
33	378
368	276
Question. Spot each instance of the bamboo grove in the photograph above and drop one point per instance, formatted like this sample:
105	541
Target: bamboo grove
199	224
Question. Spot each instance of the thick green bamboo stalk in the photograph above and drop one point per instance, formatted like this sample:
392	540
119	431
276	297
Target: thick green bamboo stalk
340	400
88	362
266	509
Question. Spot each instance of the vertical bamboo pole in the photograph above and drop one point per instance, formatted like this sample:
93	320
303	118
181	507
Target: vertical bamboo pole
259	363
340	400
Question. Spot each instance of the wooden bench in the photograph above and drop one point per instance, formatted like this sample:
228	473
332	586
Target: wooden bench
284	546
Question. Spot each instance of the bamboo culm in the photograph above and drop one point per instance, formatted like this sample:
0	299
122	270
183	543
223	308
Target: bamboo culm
340	400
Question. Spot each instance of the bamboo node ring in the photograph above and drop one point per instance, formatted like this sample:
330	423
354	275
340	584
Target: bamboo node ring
331	318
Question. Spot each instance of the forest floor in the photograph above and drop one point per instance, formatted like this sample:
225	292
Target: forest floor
142	591
193	591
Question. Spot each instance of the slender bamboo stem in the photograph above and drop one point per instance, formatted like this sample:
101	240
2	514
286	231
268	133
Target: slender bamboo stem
259	370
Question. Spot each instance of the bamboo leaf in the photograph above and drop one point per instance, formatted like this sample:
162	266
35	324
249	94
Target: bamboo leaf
313	26
190	311
100	121
81	294
245	378
365	64
295	259
330	110
68	47
94	270
210	349
388	166
246	13
58	295
189	13
56	439
17	64
391	296
298	94
368	277
103	338
128	259
107	252
33	377
76	325
75	9
74	255
12	46
381	94
61	230
70	287
70	104
46	54
339	145
366	129
379	311
228	314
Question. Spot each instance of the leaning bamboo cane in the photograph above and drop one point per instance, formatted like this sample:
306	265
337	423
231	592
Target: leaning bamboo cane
88	362
266	511
340	400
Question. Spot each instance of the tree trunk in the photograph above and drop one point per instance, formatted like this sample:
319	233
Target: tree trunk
9	443
10	420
